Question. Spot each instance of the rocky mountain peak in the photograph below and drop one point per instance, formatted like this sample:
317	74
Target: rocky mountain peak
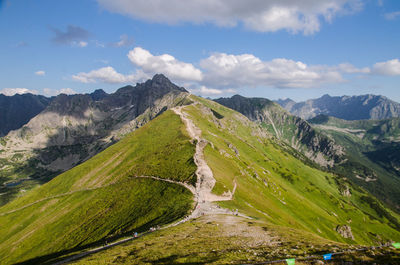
160	81
98	94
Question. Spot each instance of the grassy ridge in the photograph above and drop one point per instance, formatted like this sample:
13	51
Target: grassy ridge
274	186
101	197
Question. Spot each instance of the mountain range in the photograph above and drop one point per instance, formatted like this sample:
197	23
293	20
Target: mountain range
73	128
234	180
345	107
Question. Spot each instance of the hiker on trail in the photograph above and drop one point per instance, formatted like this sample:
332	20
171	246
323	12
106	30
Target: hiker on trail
135	234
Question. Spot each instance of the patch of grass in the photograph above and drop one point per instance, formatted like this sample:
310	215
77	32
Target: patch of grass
220	239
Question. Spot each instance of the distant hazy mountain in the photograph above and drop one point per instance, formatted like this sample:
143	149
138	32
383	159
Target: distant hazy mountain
293	130
17	110
345	107
73	128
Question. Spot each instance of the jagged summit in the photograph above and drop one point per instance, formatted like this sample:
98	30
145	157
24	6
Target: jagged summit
161	81
98	94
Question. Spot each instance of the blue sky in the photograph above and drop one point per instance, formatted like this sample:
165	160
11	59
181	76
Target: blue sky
275	49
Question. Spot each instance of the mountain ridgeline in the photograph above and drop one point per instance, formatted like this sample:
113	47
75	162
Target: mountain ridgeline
73	128
17	110
345	107
290	129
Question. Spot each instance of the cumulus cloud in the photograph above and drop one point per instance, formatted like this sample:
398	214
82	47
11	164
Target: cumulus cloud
13	91
105	75
260	15
166	64
209	91
73	35
205	91
391	68
392	15
246	70
124	41
40	73
221	73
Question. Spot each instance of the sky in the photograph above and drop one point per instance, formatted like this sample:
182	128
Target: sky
298	49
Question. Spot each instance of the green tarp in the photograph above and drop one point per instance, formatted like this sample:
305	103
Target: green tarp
396	245
290	261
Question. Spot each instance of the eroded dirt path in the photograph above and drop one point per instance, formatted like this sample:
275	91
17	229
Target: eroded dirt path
205	179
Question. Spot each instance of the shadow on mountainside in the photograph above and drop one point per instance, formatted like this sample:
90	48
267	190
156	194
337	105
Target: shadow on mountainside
97	115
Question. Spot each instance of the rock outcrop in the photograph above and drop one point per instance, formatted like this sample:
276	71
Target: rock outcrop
345	231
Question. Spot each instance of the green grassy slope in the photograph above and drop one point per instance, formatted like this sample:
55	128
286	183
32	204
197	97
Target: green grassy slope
373	149
275	186
101	198
295	208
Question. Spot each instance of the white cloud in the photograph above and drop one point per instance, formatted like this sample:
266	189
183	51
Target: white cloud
55	92
260	15
166	64
391	67
105	75
68	91
210	91
220	72
207	91
13	91
124	41
246	70
392	15
40	73
351	69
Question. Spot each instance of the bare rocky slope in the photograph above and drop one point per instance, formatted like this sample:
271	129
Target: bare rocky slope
73	128
17	110
344	107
